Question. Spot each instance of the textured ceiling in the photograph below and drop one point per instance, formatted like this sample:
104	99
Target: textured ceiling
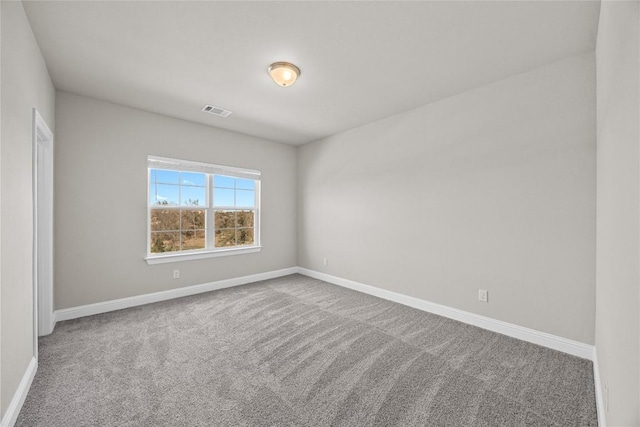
360	61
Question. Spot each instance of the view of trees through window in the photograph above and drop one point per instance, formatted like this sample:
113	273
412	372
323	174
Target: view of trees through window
177	229
233	228
179	210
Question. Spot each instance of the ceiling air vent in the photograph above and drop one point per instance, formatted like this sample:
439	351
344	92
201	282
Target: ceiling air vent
216	111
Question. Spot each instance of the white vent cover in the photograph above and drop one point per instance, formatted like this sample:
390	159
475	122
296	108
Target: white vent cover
217	111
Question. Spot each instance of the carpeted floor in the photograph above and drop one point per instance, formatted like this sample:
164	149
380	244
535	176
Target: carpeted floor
296	351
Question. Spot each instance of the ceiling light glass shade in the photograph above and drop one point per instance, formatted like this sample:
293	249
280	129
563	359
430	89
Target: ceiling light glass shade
284	73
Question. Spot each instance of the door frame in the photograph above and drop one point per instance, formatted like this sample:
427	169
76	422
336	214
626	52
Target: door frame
43	321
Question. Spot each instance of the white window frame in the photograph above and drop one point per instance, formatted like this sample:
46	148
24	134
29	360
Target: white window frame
155	162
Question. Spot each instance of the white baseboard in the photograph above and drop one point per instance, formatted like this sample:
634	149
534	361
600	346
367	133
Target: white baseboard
565	345
119	304
598	384
20	395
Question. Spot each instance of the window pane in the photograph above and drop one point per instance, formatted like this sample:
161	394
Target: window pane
167	177
190	178
245	198
152	194
244	236
165	219
193	219
225	219
223	181
245	184
165	242
225	238
223	197
166	195
245	218
193	239
152	175
193	196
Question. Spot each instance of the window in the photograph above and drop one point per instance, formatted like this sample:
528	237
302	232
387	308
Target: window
196	210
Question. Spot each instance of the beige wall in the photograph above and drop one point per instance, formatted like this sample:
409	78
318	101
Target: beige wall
618	254
100	200
490	189
25	85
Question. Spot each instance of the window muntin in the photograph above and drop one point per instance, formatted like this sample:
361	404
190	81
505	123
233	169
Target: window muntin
200	211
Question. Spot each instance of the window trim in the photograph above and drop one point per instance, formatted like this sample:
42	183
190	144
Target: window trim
199	254
155	162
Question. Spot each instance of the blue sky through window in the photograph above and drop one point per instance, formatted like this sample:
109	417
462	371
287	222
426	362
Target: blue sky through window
165	177
245	184
189	189
223	197
189	178
222	181
233	192
162	194
245	198
167	187
193	196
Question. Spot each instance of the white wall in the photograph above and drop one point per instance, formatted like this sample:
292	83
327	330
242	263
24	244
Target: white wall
618	213
25	85
101	192
490	189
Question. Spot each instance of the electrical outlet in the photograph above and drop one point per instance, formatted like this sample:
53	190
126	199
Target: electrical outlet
483	295
176	274
325	261
606	397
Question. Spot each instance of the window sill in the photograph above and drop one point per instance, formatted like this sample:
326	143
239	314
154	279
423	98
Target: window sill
163	259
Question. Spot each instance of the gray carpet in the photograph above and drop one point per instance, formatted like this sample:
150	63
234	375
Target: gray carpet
295	351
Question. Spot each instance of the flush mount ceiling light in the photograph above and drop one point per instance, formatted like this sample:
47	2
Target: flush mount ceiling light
284	73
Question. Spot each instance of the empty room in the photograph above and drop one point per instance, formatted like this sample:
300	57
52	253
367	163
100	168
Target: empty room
319	213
